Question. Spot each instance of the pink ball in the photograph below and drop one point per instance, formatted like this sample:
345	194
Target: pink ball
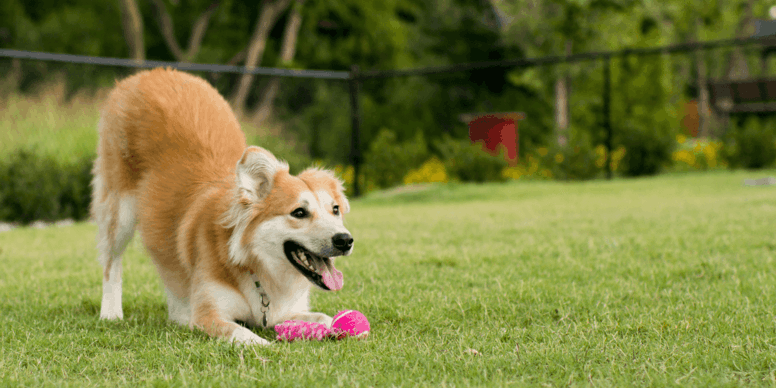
350	323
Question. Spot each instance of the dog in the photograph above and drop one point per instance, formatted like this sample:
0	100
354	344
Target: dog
234	236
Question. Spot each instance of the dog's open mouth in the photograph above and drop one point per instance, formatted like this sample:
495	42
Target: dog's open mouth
320	270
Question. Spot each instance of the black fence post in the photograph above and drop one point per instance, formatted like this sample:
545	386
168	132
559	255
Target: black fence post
355	134
607	114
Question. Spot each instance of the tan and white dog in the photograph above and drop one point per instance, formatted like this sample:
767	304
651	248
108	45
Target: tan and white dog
218	218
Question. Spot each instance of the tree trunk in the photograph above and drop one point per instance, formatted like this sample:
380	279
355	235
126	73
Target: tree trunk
287	51
132	24
268	16
737	68
704	113
562	119
168	31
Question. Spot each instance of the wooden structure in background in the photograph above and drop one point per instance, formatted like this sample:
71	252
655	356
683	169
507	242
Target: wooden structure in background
746	96
751	95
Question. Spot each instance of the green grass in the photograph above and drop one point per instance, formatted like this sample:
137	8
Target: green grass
664	281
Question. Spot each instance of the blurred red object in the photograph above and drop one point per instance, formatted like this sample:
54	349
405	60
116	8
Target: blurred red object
494	130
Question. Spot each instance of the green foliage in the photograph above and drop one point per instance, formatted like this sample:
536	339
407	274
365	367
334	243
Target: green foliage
751	144
576	160
388	161
469	162
647	150
36	186
317	113
283	150
400	34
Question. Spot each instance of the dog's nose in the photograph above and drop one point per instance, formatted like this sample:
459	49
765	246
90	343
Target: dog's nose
342	241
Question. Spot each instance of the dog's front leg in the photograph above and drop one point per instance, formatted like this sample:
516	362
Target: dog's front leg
214	310
307	317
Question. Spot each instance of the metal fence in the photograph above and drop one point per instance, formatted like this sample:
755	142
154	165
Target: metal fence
355	77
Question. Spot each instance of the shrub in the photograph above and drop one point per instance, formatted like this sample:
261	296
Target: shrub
346	173
433	170
35	186
470	163
616	158
282	149
531	166
76	194
697	154
751	145
576	160
388	161
646	151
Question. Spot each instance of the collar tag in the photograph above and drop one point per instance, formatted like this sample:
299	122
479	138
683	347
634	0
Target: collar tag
264	299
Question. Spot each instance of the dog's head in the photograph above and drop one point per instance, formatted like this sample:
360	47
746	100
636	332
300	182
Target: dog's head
288	223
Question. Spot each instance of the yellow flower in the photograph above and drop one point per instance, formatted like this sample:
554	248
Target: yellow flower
542	151
558	158
533	165
617	156
685	156
681	138
513	173
433	170
600	160
345	173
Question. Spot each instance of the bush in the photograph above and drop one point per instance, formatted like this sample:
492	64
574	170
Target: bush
431	171
575	161
697	154
388	161
646	151
470	163
346	173
38	187
751	145
283	149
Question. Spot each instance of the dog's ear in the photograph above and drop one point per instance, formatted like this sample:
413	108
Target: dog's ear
255	173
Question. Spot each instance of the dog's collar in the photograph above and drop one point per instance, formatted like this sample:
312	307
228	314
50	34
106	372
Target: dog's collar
264	299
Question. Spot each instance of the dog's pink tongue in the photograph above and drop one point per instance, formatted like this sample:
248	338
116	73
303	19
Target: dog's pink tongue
332	278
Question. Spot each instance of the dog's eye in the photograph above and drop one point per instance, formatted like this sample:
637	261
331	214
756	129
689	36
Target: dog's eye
335	210
299	213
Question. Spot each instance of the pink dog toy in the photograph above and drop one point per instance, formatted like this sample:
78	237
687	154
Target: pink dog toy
345	323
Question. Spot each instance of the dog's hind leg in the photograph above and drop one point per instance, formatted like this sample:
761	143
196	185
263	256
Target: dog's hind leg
116	217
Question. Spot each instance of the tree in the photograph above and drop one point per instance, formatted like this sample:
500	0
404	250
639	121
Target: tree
132	23
168	30
268	16
555	28
287	51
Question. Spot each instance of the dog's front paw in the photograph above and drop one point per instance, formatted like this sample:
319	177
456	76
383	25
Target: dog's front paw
312	317
244	336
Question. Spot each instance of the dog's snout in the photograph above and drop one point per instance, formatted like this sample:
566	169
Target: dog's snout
342	241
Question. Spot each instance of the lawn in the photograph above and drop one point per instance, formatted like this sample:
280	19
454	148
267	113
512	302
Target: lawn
666	281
